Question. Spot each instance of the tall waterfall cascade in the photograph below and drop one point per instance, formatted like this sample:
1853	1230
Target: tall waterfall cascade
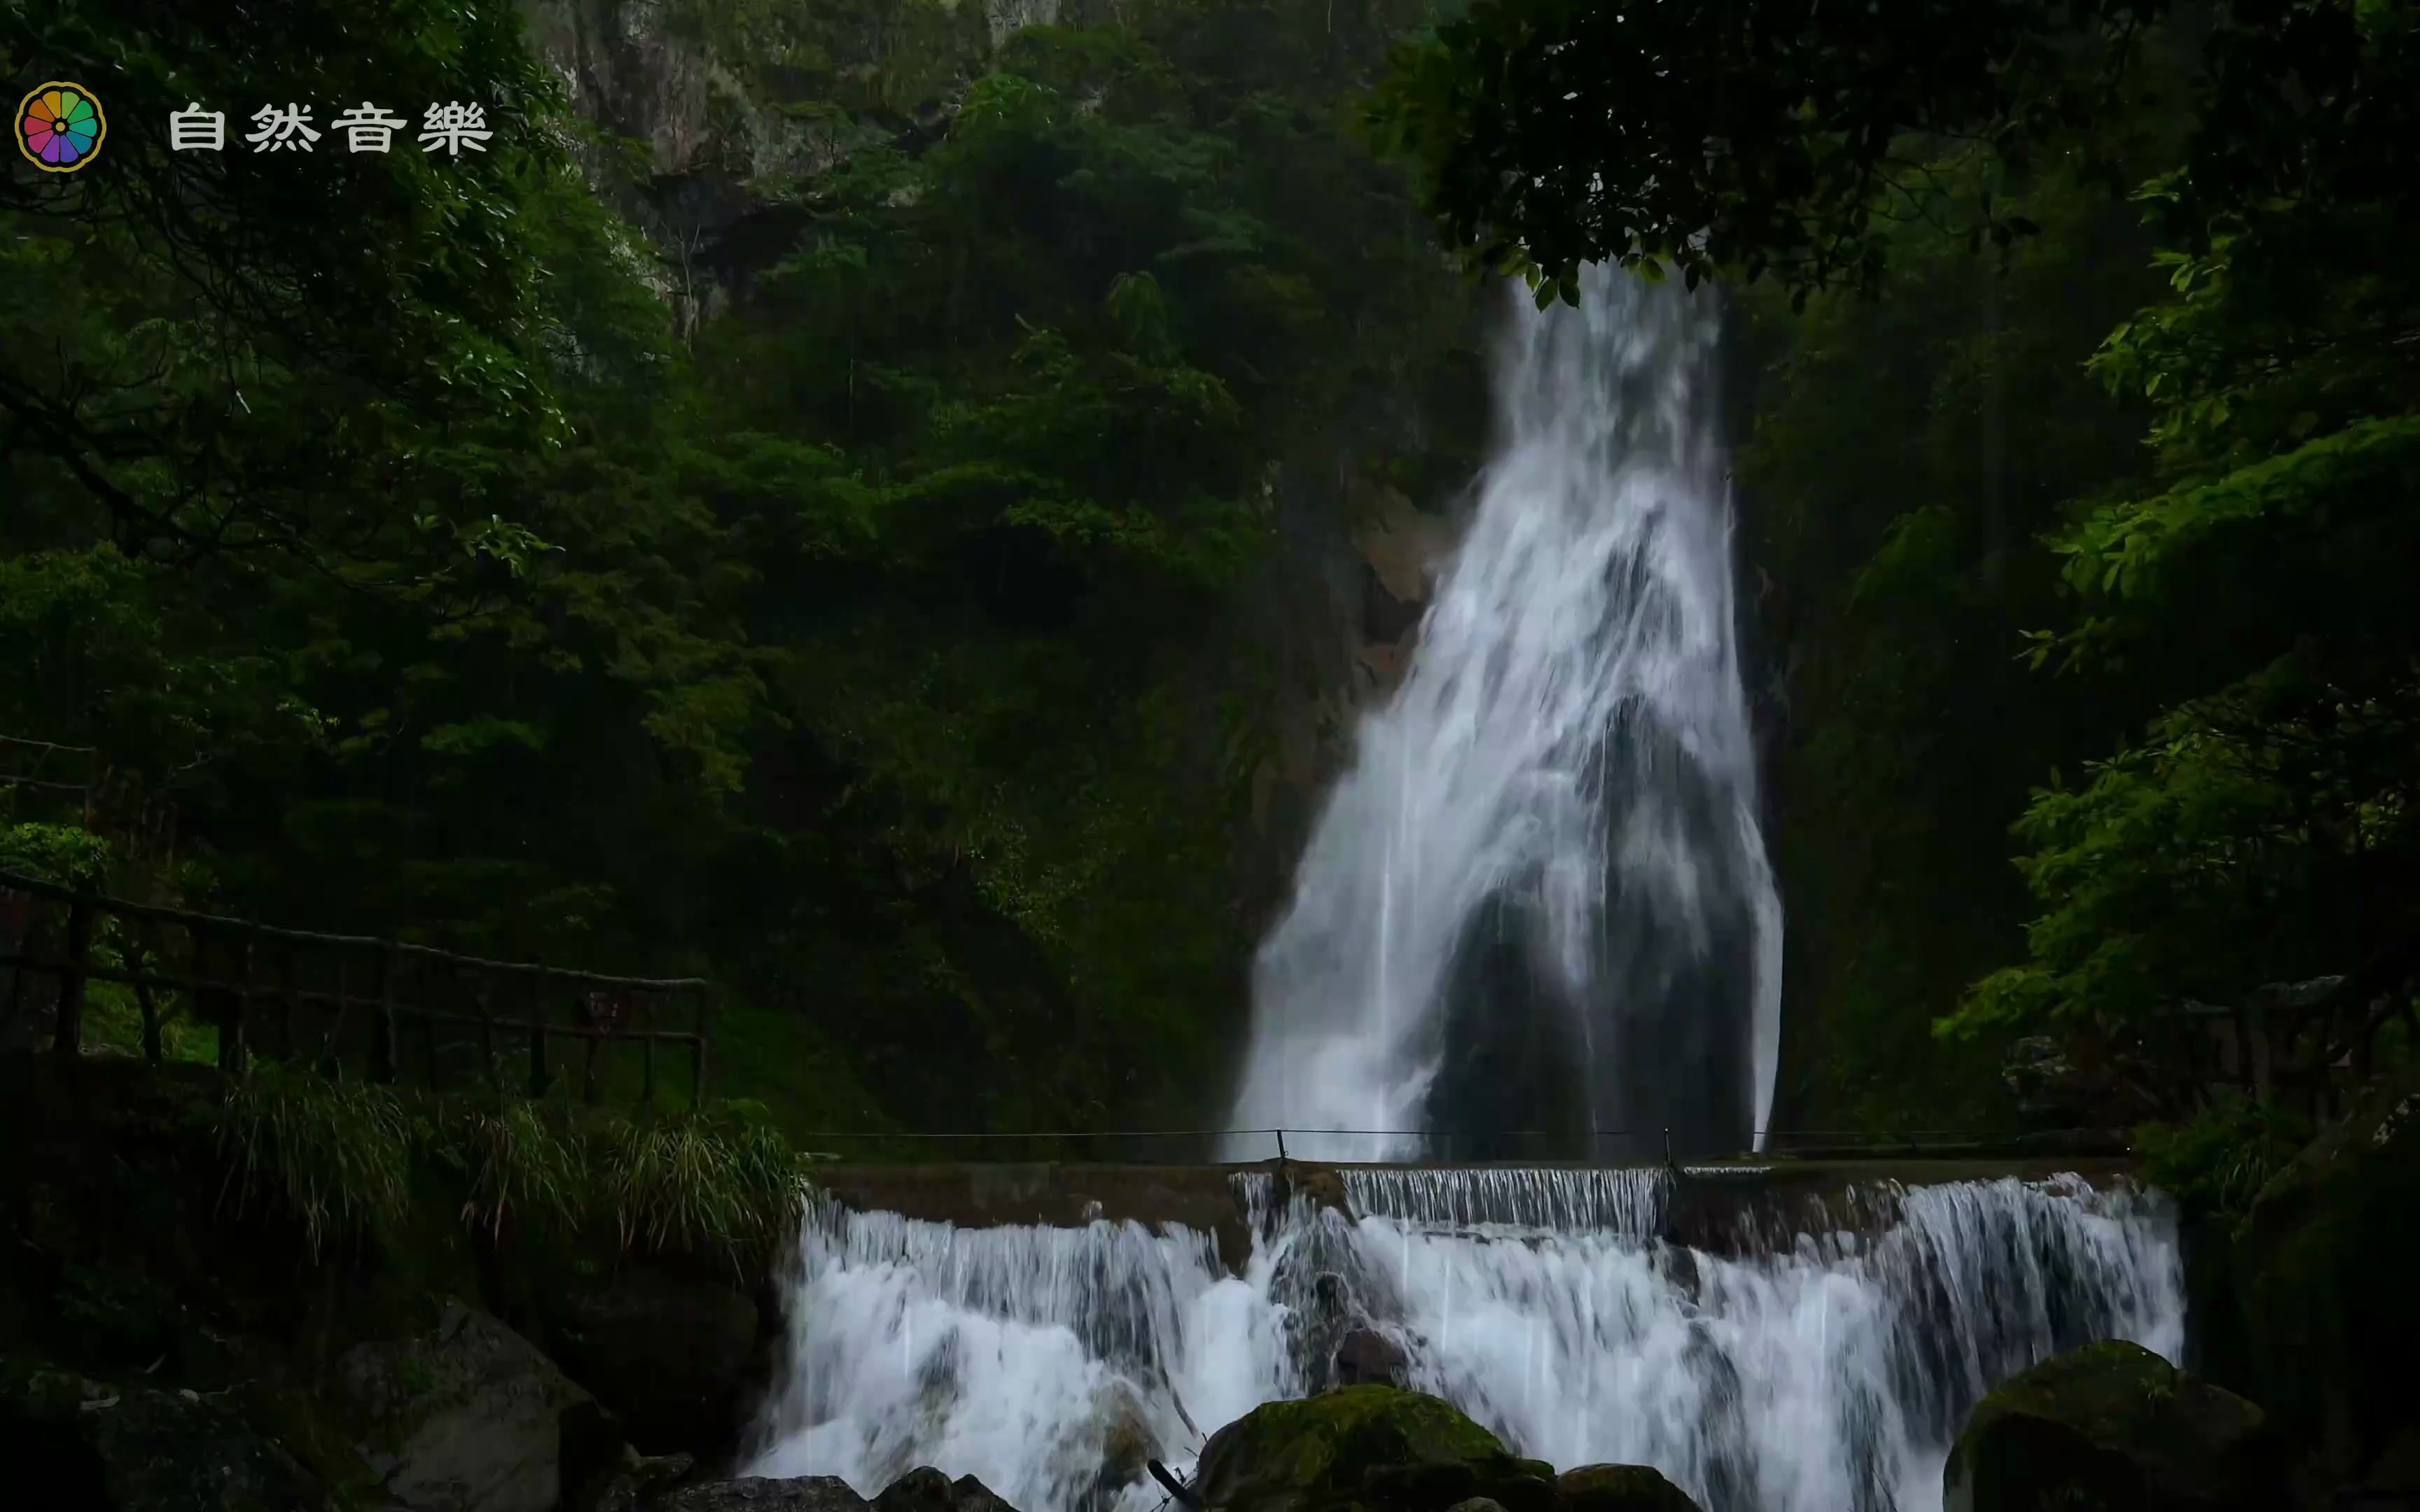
1539	894
1827	1375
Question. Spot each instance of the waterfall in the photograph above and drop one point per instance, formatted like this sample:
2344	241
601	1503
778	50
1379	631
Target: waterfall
1539	896
1826	1373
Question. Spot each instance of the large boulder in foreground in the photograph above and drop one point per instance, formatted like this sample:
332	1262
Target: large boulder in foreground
1375	1446
922	1490
926	1489
469	1417
1621	1488
2113	1426
796	1493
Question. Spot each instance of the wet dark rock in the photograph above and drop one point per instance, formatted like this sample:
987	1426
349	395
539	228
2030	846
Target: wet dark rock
1367	1357
799	1493
1621	1488
1371	1446
633	1482
2112	1424
926	1489
670	1356
469	1417
1127	1441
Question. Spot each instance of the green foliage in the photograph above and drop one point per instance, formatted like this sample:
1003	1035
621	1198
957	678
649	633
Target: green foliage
727	1184
69	855
518	1159
2223	1158
2262	826
343	1158
335	1156
1781	135
2245	841
1902	453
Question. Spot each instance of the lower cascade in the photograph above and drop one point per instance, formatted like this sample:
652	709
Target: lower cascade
1829	1374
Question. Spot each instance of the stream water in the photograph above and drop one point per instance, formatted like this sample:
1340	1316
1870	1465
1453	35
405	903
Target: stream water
1828	1376
1539	899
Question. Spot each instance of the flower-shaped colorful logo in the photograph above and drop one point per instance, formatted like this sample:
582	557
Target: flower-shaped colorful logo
60	127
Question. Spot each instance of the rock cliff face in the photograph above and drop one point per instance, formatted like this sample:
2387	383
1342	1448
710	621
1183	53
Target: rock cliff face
1340	609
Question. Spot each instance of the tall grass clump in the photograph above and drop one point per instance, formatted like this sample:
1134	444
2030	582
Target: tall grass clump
725	1182
520	1162
340	1156
2221	1158
337	1156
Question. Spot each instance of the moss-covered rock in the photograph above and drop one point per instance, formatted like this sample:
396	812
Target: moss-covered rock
1621	1488
2113	1426
1371	1446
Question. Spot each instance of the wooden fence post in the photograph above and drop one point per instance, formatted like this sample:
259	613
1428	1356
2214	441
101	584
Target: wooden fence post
69	1040
382	1035
704	1030
233	1028
596	1025
646	1048
539	1072
484	996
285	991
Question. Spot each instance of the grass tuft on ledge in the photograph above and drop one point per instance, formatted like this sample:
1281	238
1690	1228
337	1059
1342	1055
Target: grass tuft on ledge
337	1156
346	1159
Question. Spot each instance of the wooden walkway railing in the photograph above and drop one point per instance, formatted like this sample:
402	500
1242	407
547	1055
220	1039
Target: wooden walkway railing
386	1010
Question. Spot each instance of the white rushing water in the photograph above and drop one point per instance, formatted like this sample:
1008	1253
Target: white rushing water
1555	817
1828	1376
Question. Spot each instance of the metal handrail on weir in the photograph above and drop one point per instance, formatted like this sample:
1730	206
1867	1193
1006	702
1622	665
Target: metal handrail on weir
1651	1147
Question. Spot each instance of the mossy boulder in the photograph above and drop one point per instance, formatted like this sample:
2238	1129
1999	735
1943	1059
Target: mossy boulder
2113	1426
1373	1447
1621	1488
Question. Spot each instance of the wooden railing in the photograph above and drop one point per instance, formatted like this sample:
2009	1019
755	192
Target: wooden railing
384	1009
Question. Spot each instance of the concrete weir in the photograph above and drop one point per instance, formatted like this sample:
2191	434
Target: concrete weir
1731	1208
